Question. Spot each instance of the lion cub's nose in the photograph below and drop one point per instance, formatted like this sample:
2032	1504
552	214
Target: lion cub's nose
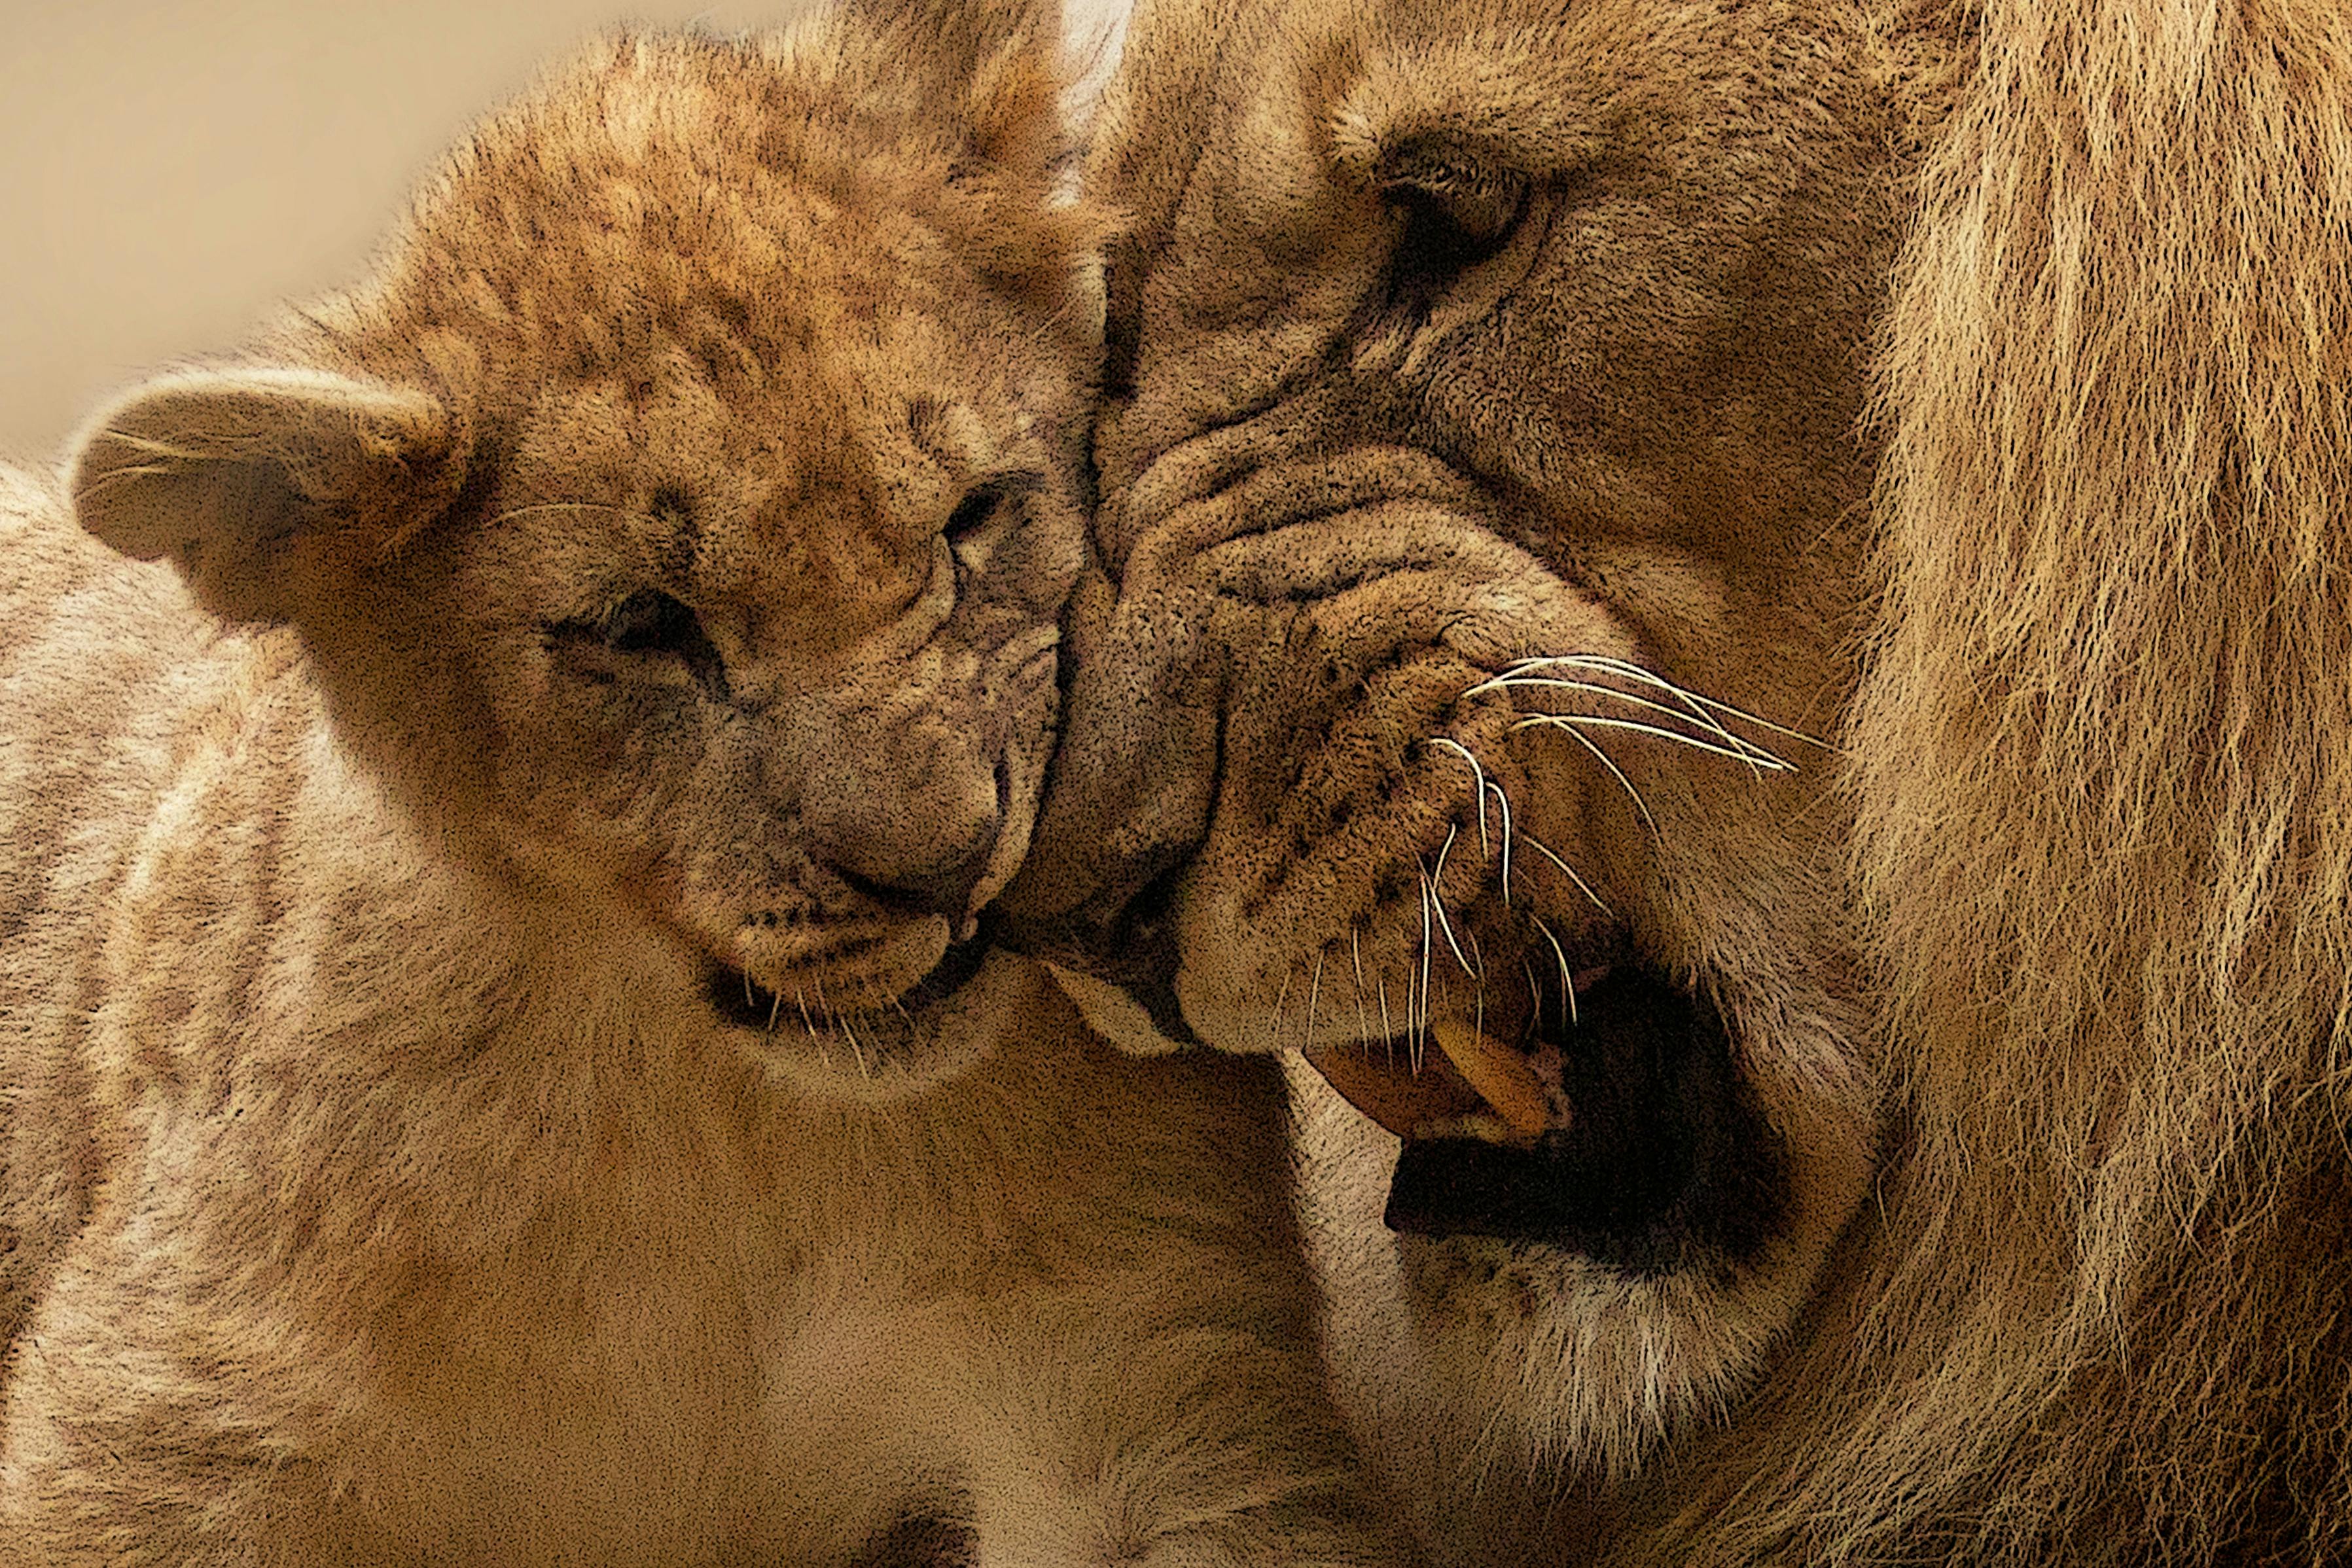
944	887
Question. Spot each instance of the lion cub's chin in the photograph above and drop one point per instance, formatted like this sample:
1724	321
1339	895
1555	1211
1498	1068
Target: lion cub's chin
949	1019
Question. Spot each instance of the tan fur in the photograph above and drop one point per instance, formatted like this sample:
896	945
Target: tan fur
2038	981
386	1174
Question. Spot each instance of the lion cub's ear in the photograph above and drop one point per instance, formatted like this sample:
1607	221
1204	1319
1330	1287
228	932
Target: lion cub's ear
246	476
989	75
990	67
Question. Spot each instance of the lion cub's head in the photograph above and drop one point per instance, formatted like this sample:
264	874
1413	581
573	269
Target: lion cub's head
680	515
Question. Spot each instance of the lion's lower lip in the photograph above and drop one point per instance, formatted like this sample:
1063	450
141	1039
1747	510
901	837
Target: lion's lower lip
745	1002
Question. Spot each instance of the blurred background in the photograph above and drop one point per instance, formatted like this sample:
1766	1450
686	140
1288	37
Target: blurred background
171	169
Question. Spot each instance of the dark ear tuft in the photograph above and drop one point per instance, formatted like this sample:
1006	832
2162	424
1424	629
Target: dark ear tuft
230	472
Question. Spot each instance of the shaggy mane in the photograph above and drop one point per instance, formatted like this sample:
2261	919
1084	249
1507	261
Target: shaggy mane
2105	782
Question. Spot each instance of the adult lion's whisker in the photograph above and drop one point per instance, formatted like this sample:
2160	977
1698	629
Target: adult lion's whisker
1313	990
1566	976
1388	1028
1502	799
1569	872
1741	748
1437	897
1478	775
1692	706
1356	955
1650	677
1594	720
1573	733
1420	1021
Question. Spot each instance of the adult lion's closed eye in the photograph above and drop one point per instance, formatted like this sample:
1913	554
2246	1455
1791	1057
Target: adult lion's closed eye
1484	691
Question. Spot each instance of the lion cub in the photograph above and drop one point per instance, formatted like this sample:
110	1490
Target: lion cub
458	1007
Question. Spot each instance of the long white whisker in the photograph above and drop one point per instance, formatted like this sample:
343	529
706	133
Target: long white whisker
825	1008
1356	955
1741	746
1313	991
1567	979
1420	1023
1478	774
1650	677
1640	805
1438	898
1569	872
1479	982
1388	1029
1598	721
1504	800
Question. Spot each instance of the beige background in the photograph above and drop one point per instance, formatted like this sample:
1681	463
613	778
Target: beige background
170	169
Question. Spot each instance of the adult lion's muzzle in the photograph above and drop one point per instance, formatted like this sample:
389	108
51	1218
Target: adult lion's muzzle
1326	782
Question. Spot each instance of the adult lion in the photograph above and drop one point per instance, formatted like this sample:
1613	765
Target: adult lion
1879	863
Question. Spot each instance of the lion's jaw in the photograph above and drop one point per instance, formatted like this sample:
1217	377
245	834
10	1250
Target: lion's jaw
1438	351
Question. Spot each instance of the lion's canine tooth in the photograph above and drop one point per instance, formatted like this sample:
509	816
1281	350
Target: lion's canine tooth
1498	1073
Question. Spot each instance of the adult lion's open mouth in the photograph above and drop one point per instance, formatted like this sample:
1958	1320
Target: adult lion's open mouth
1621	1133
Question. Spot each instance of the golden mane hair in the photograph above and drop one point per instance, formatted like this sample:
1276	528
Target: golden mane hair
2104	774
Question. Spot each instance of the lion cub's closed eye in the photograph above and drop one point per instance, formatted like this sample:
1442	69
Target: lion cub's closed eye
469	941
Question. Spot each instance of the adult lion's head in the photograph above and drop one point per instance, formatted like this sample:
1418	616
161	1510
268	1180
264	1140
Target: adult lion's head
1733	615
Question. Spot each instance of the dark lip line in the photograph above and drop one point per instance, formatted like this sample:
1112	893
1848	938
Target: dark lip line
744	1003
